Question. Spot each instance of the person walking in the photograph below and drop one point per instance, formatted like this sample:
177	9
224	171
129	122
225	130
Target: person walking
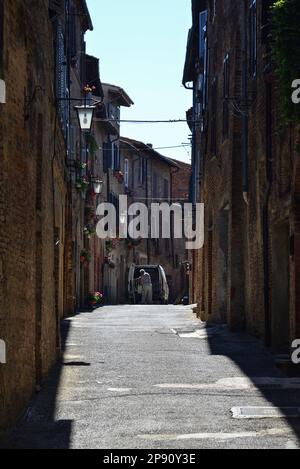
147	292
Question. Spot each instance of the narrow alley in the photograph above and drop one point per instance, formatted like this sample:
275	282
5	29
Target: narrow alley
156	377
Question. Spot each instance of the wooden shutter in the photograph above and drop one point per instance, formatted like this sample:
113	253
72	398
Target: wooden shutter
116	158
107	157
72	33
61	76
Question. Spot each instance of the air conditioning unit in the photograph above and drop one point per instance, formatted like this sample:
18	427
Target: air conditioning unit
2	92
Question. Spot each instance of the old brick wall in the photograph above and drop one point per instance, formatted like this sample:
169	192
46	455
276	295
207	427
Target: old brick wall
28	321
247	272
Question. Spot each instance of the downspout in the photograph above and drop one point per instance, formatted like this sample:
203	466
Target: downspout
245	124
147	197
112	156
266	236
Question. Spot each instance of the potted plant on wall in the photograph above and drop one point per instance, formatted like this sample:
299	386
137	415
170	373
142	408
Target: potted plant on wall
82	183
119	175
85	257
89	231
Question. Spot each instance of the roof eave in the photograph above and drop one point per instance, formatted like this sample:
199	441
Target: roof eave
89	23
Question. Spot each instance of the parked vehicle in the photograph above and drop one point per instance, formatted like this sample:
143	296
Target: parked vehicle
159	282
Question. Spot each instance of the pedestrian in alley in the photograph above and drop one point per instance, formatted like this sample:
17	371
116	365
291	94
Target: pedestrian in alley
147	292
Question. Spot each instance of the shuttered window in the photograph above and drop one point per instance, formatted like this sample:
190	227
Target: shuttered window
72	33
107	157
62	93
202	36
142	170
116	159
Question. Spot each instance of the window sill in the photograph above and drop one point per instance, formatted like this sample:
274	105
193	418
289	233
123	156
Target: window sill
2	92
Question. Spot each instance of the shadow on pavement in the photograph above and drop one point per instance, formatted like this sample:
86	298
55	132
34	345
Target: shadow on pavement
38	428
255	361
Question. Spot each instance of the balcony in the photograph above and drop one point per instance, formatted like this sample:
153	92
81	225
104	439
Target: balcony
101	114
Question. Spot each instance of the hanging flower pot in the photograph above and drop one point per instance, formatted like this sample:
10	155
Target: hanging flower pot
87	89
83	183
119	176
89	231
80	166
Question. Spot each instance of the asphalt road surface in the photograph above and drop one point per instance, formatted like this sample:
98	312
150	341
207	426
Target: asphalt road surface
157	378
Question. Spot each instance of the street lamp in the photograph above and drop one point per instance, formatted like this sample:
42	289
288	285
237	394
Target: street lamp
85	116
98	186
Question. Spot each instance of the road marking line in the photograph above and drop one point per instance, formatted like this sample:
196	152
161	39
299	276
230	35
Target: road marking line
273	432
119	389
291	445
242	383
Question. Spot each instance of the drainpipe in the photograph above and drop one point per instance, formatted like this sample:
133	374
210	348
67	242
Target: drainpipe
245	123
266	236
147	197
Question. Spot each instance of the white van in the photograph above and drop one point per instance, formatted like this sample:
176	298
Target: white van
160	285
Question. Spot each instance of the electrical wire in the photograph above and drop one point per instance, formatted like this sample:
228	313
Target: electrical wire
170	121
121	147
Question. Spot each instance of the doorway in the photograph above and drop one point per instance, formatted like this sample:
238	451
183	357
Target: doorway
280	294
223	265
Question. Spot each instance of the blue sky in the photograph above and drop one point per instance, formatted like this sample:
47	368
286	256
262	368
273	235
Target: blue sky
141	45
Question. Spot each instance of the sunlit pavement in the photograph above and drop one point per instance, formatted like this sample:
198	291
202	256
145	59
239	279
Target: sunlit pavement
156	377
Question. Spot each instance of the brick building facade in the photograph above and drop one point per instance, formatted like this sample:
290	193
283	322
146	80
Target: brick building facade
246	174
153	178
32	164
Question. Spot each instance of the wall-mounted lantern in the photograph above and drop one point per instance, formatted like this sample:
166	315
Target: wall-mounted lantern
98	185
85	116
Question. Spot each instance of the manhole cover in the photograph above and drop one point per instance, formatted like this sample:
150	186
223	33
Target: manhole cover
265	412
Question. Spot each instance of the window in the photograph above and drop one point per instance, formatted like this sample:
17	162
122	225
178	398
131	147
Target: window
253	39
72	34
126	172
62	92
226	93
205	75
116	157
202	36
107	156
